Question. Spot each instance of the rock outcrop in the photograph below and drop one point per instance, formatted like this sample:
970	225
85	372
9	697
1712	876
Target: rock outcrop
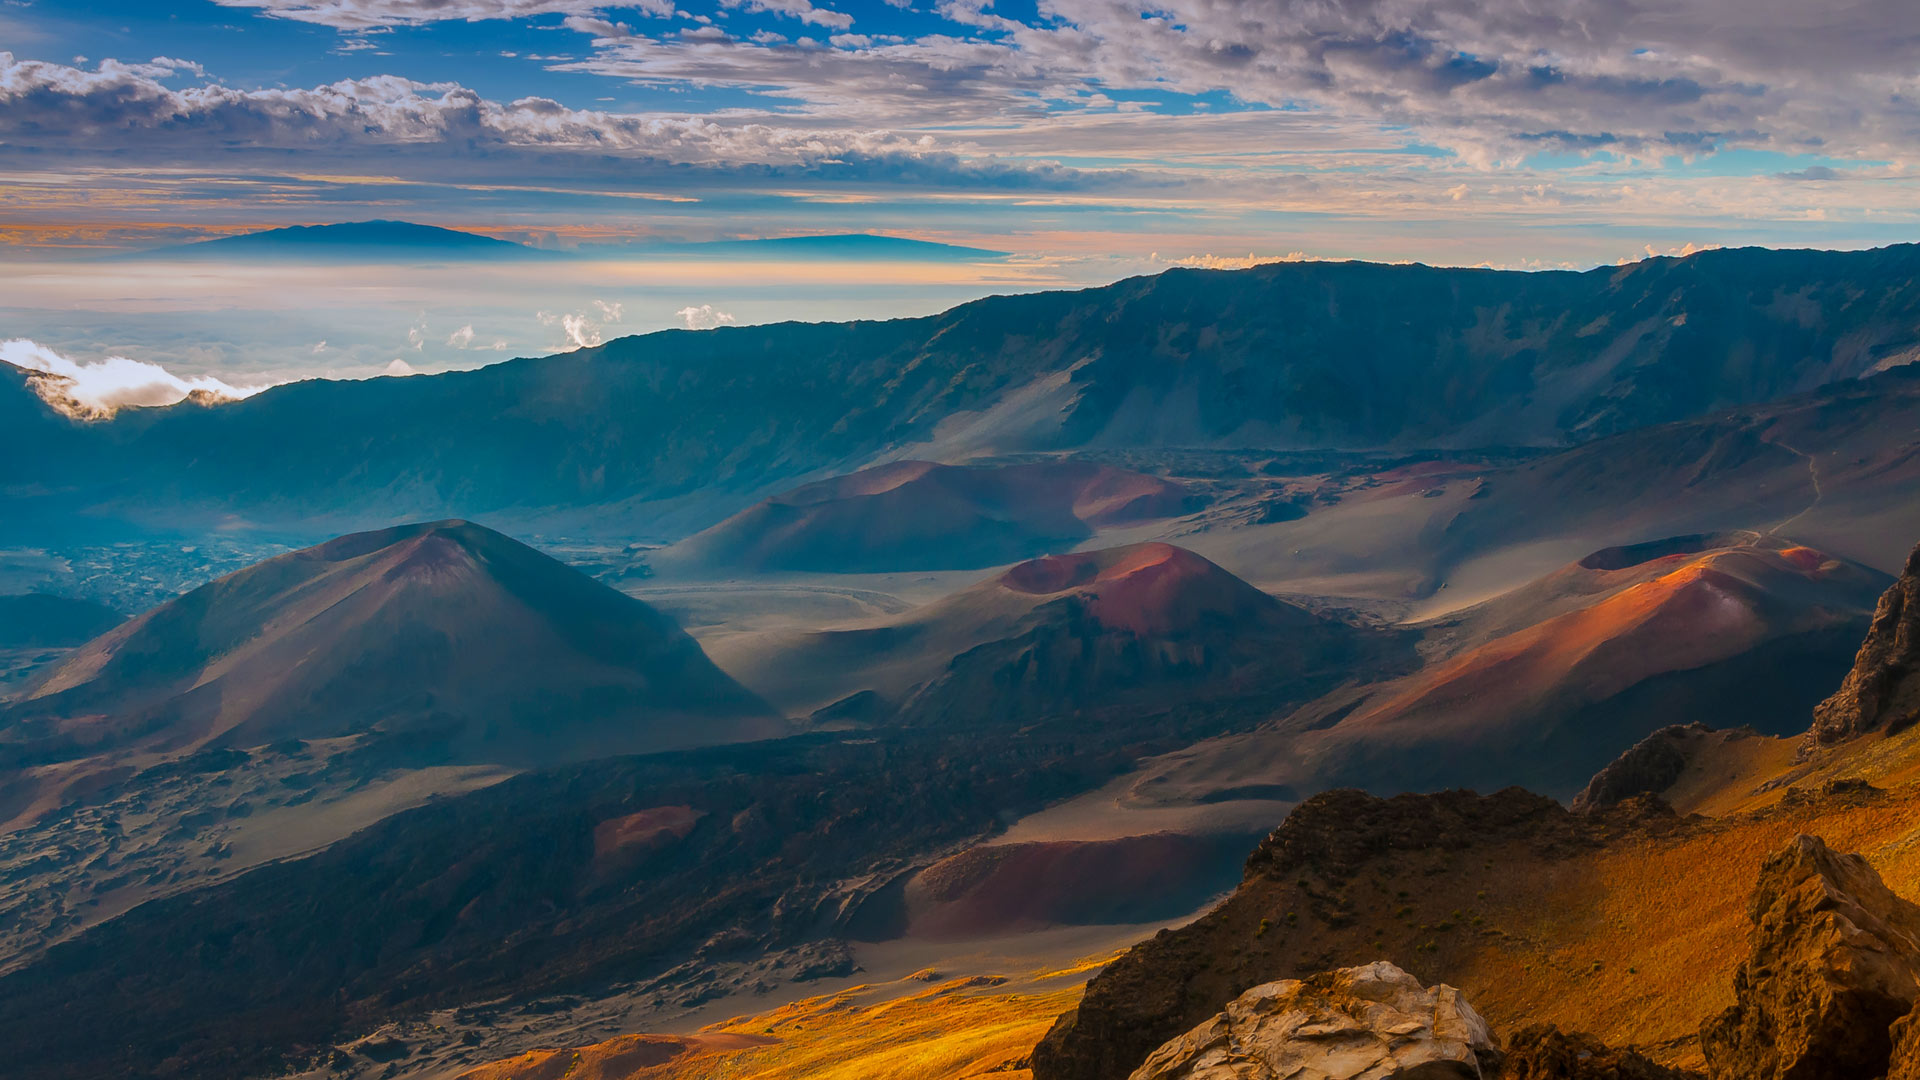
1374	1022
1649	767
1835	961
1905	1064
1882	692
1544	1052
1323	892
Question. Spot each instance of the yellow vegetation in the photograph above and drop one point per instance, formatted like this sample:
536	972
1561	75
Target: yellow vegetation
954	1028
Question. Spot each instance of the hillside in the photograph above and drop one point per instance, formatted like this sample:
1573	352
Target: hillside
446	638
671	878
1286	356
918	515
1544	685
1139	628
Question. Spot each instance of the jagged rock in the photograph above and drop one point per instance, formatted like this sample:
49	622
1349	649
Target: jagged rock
1882	692
1649	767
1835	961
1906	1048
1296	911
1374	1022
1544	1052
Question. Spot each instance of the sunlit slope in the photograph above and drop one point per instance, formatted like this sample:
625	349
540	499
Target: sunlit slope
917	515
950	1028
1545	685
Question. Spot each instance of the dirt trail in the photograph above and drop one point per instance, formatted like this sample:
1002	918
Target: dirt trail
1813	474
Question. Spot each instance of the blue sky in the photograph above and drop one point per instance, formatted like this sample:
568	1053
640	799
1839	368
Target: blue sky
1500	132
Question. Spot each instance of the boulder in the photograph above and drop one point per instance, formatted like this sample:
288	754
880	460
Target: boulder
1544	1052
1834	961
1882	692
1374	1022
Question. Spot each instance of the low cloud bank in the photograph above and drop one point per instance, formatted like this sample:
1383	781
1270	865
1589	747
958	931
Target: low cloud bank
96	390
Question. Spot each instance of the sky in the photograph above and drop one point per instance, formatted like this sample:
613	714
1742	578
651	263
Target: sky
1505	132
1090	138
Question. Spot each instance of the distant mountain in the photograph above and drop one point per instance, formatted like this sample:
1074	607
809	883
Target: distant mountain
1140	628
376	240
918	515
1295	355
447	635
849	246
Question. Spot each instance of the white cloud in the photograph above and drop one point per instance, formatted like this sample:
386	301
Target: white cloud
804	10
371	14
95	390
704	317
461	338
581	329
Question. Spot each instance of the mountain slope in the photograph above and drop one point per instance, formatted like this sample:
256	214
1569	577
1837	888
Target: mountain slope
1547	684
447	632
1288	355
918	515
538	885
1142	627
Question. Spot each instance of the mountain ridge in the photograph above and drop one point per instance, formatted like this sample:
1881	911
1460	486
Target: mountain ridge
1282	355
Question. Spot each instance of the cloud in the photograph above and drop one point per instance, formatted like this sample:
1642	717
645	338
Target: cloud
122	110
583	329
704	317
95	390
463	338
382	14
804	10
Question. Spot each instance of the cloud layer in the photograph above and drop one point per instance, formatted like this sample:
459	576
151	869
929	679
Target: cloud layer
95	390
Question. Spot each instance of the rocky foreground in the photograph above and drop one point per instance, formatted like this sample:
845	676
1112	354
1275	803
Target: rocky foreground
1827	993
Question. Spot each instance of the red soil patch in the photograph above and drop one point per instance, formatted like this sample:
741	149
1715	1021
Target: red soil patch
1010	887
645	831
1805	558
1146	588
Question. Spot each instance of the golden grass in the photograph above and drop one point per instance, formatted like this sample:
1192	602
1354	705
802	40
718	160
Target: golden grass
955	1028
1637	943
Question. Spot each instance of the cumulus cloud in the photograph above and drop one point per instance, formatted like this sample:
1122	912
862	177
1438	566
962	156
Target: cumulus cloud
1493	79
804	10
119	109
95	390
704	317
381	14
583	329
